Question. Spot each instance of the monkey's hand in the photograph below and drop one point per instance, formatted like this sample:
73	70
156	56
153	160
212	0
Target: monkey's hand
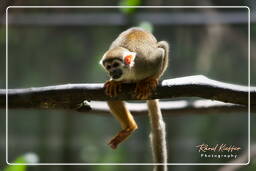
120	137
112	88
145	87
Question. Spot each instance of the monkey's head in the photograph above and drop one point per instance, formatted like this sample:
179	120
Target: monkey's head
118	62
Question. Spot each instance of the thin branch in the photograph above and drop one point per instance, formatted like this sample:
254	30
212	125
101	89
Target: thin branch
69	96
175	107
170	107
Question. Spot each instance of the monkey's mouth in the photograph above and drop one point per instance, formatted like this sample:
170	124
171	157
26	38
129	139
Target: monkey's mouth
116	74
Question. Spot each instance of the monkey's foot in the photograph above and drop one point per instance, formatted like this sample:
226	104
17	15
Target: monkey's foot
112	88
120	137
145	87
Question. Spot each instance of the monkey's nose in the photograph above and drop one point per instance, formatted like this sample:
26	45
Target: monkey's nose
117	73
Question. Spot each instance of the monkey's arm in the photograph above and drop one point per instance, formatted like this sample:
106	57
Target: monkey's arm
145	87
128	124
121	113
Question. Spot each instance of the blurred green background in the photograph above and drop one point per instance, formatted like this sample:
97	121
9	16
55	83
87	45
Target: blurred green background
59	46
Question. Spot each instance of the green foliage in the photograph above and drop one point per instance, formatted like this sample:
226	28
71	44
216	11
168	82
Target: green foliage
250	167
129	10
17	167
27	158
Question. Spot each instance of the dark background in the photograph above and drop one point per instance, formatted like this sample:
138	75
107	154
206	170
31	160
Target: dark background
54	50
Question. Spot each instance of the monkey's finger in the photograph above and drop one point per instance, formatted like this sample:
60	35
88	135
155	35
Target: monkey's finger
114	90
142	92
139	96
119	88
111	90
136	94
112	144
139	93
146	92
105	85
107	90
144	95
136	91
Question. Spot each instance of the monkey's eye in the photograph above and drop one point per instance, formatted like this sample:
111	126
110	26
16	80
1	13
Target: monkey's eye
115	65
108	67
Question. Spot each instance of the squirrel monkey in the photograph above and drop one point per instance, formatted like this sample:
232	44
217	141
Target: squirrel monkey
134	57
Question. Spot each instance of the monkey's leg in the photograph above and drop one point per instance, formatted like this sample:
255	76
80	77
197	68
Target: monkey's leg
112	88
145	87
128	124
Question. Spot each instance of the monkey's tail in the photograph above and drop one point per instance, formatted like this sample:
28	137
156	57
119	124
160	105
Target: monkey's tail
157	135
164	45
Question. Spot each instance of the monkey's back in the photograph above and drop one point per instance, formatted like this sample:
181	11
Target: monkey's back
148	56
136	40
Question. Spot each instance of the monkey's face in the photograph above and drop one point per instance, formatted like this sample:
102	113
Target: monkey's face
115	68
118	62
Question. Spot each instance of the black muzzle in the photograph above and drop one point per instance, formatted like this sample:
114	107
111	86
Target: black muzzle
115	74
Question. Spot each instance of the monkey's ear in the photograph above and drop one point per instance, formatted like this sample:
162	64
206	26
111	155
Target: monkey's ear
129	58
101	62
102	59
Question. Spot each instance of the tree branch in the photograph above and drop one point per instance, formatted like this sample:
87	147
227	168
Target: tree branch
69	96
175	107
